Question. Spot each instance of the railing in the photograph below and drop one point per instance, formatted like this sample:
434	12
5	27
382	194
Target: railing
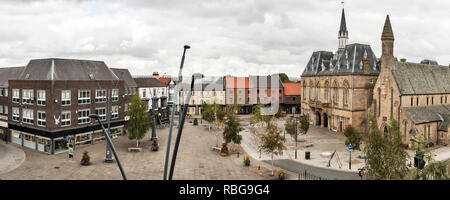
305	175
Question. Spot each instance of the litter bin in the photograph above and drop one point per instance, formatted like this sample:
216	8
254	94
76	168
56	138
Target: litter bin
307	155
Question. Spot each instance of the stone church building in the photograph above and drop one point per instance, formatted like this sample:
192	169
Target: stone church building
344	87
416	95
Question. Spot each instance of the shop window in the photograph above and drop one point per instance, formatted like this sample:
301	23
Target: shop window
101	112
41	120
84	96
16	97
28	96
82	139
100	96
28	117
65	118
41	97
83	116
65	97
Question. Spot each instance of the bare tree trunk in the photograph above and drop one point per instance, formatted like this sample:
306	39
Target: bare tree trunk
137	142
272	164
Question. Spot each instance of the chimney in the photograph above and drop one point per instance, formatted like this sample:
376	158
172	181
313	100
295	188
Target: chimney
403	60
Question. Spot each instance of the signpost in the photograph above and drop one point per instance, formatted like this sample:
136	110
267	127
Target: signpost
350	148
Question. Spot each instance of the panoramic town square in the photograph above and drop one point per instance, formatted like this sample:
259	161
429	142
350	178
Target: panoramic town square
255	90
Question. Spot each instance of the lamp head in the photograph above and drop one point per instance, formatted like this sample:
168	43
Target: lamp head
187	47
93	116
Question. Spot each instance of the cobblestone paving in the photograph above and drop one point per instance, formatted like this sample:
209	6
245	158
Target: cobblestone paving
195	161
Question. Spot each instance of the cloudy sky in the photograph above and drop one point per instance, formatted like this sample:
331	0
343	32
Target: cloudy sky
236	37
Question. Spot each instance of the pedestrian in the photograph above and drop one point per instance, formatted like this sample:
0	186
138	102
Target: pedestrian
70	151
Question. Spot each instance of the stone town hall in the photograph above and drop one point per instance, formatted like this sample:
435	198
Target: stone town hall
344	87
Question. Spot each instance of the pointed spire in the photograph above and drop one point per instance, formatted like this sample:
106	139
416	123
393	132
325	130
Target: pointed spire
387	30
343	27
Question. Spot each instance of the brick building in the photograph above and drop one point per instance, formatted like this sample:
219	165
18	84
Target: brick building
50	101
337	87
292	97
416	95
6	74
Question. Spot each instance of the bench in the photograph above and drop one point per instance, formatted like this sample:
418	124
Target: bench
134	149
216	148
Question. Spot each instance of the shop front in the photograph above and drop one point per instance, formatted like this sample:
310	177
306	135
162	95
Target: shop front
83	139
16	137
44	144
61	144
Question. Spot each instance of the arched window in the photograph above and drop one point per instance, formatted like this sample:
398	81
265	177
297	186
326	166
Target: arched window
327	92
335	91
345	93
318	91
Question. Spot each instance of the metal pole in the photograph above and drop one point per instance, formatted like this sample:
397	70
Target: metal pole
154	112
350	161
180	130
108	157
108	139
176	100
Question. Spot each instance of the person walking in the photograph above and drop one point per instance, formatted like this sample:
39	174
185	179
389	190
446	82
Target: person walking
70	151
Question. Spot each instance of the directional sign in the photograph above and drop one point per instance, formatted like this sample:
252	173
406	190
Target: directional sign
350	147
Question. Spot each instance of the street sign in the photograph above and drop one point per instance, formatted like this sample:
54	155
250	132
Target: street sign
350	147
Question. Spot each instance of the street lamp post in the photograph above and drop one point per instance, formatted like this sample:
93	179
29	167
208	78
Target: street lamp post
180	129
174	104
108	156
108	139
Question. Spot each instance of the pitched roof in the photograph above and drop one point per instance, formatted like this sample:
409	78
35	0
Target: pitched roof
387	30
414	78
66	69
347	61
265	81
237	82
124	74
292	89
426	114
149	82
9	73
165	80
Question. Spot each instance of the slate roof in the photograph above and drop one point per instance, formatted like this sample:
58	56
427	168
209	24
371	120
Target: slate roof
265	81
66	69
343	27
426	114
345	62
124	74
149	82
9	73
414	78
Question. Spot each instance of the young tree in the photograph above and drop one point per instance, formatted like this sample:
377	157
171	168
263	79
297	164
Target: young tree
353	137
208	114
304	124
139	122
385	157
258	118
272	141
231	132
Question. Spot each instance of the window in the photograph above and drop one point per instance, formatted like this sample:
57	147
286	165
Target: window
115	95
417	101
432	100
15	114
427	100
28	117
336	95
27	96
83	116
114	112
5	111
65	97
41	97
442	98
41	118
126	91
134	91
100	96
445	99
101	112
15	97
84	96
412	101
2	91
346	94
65	118
1	109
